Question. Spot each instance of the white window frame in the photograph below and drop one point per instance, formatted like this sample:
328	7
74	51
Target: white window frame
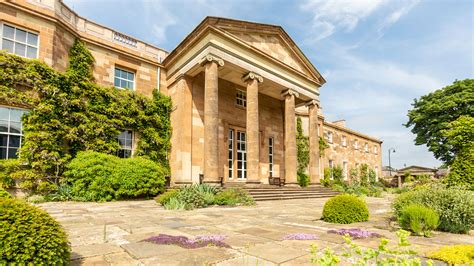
271	152
356	144
124	147
241	142
120	78
12	134
329	136
366	147
345	169
376	150
15	41
230	156
241	98
331	167
344	141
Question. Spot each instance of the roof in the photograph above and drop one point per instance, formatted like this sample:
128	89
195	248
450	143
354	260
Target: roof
232	29
414	167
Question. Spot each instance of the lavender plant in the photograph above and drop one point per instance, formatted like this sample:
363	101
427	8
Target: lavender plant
355	233
189	243
300	236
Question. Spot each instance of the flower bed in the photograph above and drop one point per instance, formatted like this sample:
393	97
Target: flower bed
300	236
189	243
355	233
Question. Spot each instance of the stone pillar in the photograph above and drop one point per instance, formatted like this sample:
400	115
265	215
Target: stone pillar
313	107
253	132
290	137
211	118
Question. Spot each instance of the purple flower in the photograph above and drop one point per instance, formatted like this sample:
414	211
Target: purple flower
300	236
185	242
355	233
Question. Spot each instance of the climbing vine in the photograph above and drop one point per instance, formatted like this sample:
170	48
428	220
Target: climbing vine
69	113
302	146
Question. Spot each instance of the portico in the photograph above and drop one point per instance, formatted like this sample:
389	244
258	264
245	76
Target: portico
234	105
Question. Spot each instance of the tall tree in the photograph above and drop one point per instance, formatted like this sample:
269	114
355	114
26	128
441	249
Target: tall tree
432	114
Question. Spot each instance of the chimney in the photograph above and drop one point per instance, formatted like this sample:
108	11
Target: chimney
341	123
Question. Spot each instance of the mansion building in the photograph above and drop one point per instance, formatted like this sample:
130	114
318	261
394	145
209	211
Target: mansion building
237	88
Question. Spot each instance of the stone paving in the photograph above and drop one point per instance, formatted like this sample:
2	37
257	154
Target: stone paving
111	233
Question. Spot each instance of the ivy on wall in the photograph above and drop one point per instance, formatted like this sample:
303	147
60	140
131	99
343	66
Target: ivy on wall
69	113
302	147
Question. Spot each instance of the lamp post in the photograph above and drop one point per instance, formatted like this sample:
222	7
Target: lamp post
390	166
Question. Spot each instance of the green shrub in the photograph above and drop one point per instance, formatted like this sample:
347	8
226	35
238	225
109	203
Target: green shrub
29	235
455	255
63	193
326	181
35	199
462	170
303	179
96	176
7	168
166	196
418	219
371	190
337	174
454	206
4	194
174	204
192	197
345	209
233	196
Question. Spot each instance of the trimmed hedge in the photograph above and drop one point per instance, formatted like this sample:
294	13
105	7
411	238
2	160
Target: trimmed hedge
345	209
96	176
29	235
454	206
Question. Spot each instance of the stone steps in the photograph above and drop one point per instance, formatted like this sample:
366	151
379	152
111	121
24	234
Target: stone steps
283	193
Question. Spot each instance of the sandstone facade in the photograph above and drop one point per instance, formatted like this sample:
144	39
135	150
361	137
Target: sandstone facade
235	87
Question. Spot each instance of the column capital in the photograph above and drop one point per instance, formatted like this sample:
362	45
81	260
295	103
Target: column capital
311	103
211	58
252	75
289	92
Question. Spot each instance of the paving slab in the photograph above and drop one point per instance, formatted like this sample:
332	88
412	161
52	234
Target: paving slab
274	252
199	256
79	252
141	250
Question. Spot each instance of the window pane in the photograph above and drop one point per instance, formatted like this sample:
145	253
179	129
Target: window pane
12	153
3	126
130	85
4	113
20	49
7	45
8	31
15	115
14	141
128	144
117	72
32	39
117	82
3	140
31	52
131	76
3	153
123	84
15	127
20	35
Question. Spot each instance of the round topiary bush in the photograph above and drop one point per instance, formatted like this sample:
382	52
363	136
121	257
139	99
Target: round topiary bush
29	235
345	209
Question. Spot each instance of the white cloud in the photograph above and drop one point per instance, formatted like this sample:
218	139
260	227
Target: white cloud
331	15
158	17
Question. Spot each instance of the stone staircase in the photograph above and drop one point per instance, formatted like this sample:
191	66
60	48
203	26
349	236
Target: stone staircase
283	193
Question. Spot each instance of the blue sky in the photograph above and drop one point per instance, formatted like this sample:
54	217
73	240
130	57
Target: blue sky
376	55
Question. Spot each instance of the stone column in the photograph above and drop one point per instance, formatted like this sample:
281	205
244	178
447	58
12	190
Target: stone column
211	118
253	132
313	107
290	137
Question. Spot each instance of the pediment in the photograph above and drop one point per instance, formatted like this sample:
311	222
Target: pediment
274	46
